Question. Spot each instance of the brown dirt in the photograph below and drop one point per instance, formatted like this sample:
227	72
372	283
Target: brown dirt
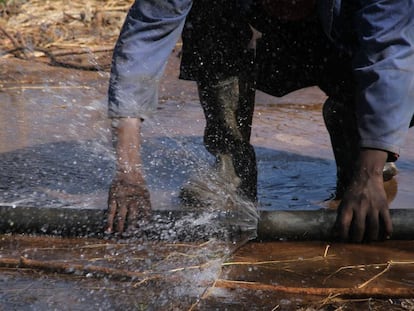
108	275
173	276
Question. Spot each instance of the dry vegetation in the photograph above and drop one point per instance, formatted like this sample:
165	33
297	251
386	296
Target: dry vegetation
61	31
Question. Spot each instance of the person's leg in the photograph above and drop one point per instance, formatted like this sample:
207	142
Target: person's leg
294	55
228	109
216	55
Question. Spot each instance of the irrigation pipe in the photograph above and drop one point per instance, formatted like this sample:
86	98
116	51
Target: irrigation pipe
186	224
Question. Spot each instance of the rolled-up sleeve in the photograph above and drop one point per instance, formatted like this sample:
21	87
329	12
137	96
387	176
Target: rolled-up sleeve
149	34
384	71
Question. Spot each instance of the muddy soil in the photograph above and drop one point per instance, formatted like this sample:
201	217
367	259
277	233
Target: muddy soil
55	151
50	273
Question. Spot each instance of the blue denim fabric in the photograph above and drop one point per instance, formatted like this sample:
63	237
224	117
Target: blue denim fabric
383	65
384	71
383	54
148	36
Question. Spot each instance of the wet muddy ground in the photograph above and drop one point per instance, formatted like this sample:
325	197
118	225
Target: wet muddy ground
55	144
55	151
46	273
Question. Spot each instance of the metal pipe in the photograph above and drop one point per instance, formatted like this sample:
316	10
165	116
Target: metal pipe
187	224
318	224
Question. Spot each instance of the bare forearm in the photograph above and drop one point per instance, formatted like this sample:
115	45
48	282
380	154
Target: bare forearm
129	198
127	138
371	163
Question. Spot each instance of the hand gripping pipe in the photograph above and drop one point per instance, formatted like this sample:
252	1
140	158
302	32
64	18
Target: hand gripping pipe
187	225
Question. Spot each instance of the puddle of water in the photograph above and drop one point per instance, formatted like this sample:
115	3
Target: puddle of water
55	143
55	151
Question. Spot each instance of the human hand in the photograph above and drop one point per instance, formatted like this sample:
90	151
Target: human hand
363	214
129	199
127	203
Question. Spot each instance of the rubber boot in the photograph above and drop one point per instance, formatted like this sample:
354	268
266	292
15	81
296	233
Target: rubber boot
228	108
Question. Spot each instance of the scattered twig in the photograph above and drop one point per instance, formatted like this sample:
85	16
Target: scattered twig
190	267
329	298
143	281
53	60
325	254
65	268
387	265
70	16
119	8
90	270
373	292
12	40
52	87
115	258
208	289
205	294
375	276
80	51
269	262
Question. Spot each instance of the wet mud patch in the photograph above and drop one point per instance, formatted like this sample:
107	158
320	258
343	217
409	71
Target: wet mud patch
78	173
316	276
60	174
50	113
73	274
53	117
79	274
50	117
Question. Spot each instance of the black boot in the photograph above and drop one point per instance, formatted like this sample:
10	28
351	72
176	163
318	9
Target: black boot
228	108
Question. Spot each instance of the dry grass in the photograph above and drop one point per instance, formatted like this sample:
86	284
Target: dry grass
58	29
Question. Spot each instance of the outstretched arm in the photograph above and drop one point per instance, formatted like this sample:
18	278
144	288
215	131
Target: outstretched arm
383	64
129	199
149	34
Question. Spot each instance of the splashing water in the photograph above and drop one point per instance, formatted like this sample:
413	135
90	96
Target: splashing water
221	207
